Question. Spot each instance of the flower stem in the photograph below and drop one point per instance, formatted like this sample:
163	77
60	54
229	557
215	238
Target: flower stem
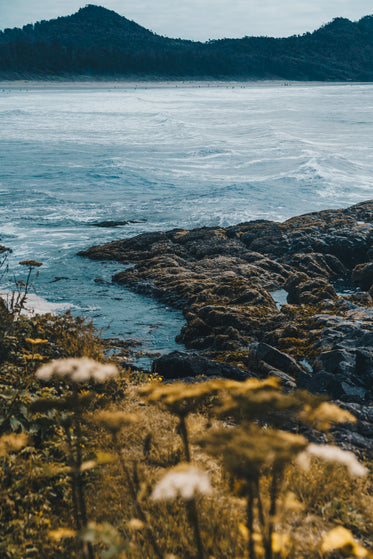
73	476
184	436
261	517
250	520
79	461
141	514
275	486
88	548
193	519
260	504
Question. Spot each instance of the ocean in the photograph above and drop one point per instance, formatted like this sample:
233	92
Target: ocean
158	157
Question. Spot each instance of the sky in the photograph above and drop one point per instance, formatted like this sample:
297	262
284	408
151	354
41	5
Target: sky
200	19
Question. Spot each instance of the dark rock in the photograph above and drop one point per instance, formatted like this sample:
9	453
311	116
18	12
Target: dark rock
363	413
265	370
102	281
319	383
349	392
336	361
332	385
364	365
303	290
292	286
361	298
351	440
319	265
109	223
362	275
179	365
59	278
264	352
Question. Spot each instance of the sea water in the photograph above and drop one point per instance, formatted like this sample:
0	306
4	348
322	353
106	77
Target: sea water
162	157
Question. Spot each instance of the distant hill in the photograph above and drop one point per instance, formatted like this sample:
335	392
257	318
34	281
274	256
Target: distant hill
99	42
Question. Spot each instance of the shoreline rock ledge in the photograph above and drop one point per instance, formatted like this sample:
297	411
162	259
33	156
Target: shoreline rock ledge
294	299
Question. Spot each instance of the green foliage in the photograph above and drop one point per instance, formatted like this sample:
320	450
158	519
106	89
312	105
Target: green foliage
96	41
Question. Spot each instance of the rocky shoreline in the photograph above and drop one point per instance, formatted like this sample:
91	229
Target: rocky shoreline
228	282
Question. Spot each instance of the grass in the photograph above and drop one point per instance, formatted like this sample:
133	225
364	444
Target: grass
80	461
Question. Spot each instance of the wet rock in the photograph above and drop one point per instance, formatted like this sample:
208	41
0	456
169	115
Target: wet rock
352	440
364	414
59	278
349	392
361	298
177	365
102	281
337	386
223	278
362	275
303	290
336	361
287	381
278	359
109	223
319	265
364	365
319	383
292	286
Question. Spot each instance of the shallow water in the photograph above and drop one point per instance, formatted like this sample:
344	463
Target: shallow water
166	157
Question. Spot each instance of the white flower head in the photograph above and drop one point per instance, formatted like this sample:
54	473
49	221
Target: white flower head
77	370
183	481
334	454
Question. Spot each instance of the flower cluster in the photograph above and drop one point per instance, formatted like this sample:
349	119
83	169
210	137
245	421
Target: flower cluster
334	454
77	370
182	481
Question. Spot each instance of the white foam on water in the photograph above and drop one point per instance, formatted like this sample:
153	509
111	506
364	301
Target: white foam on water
37	305
167	157
280	297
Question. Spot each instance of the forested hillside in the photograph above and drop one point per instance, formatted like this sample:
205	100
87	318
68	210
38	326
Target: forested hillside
98	42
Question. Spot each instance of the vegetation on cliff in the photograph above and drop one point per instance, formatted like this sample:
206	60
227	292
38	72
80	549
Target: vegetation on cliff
98	42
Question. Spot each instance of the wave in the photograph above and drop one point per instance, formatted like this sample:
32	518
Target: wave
13	112
38	305
173	157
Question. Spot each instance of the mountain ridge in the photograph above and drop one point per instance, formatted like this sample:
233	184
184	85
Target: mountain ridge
96	41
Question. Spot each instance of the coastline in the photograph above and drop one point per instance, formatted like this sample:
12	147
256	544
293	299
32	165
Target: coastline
291	300
146	83
226	280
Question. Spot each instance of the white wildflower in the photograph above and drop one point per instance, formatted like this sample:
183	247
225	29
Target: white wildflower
334	454
182	481
303	460
77	370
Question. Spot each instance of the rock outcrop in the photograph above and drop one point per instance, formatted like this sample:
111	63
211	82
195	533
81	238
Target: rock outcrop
185	365
224	279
